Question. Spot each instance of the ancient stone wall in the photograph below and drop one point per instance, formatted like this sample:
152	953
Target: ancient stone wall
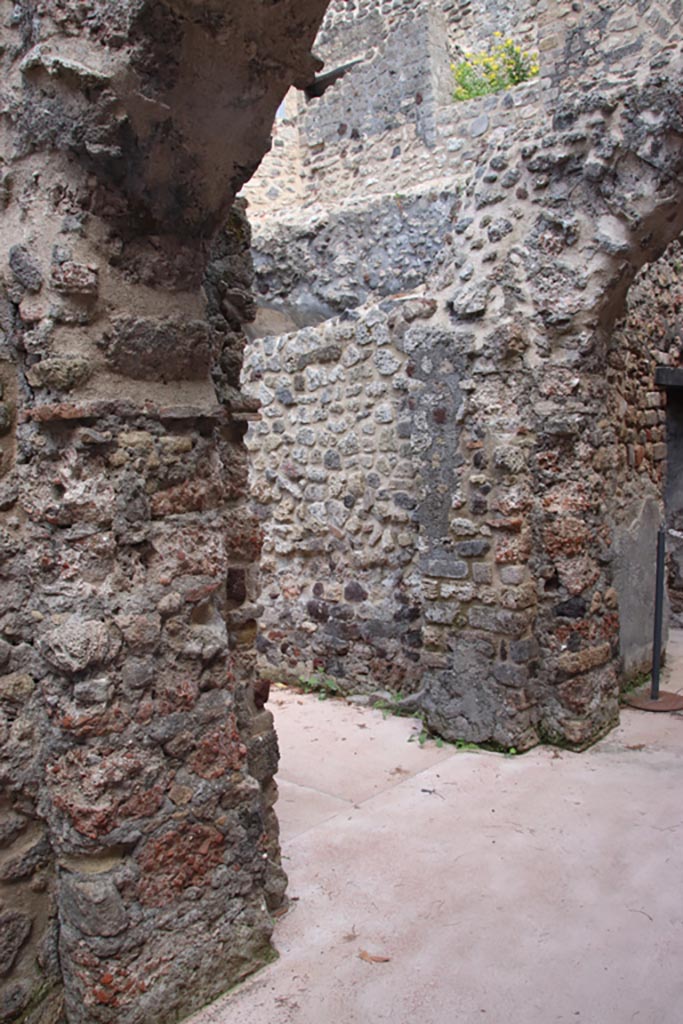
138	849
138	846
390	122
513	566
311	267
649	336
334	483
470	23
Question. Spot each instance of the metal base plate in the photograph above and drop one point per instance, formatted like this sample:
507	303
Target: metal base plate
666	701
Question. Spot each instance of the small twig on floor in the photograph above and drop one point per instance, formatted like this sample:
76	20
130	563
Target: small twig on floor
634	910
433	792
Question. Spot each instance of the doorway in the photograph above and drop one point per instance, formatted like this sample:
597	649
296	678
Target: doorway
672	380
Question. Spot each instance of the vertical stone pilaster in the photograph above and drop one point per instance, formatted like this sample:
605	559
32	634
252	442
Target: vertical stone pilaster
138	846
128	735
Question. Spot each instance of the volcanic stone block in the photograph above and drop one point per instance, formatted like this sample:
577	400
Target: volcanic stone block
62	373
79	643
25	268
147	349
93	905
75	279
15	929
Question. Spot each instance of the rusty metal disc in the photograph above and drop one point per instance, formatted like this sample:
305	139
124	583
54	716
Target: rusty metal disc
666	701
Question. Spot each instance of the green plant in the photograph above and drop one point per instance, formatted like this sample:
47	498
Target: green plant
640	680
464	745
421	736
501	66
318	682
392	708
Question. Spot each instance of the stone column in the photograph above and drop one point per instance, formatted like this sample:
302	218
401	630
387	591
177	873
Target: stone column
138	847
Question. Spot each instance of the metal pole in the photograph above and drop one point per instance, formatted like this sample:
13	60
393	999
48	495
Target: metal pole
659	609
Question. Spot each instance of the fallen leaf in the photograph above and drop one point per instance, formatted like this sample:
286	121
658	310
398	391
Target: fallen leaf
370	959
635	746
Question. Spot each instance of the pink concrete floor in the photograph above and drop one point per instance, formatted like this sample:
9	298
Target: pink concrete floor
509	890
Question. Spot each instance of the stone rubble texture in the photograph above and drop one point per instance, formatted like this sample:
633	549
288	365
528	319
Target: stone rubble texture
139	857
466	525
461	455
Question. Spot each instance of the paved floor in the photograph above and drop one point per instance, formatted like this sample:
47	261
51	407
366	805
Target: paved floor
435	886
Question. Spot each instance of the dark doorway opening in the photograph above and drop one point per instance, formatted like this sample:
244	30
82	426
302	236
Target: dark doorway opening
672	381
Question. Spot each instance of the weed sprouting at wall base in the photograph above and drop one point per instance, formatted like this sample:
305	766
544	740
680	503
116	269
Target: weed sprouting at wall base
325	686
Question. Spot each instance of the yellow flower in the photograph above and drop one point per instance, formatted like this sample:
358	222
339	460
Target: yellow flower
501	66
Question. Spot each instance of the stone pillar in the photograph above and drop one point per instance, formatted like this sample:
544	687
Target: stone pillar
521	473
138	846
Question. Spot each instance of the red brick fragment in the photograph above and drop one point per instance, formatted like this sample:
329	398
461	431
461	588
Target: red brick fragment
181	858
